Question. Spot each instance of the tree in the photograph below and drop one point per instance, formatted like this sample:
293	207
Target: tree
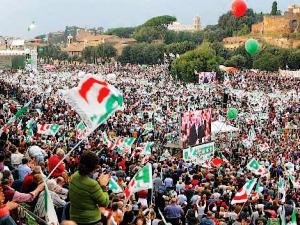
294	59
88	54
175	37
180	48
241	26
123	32
146	34
106	51
143	53
201	59
153	29
161	22
267	62
237	61
274	11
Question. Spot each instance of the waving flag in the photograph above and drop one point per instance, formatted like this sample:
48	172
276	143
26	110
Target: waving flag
124	144
114	187
81	130
242	195
48	129
51	216
295	182
94	100
281	188
142	180
256	168
31	26
294	216
19	113
110	145
146	148
148	127
263	147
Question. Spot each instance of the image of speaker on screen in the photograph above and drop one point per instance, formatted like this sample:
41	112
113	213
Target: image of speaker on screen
196	127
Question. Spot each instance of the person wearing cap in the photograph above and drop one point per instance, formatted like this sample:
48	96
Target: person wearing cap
173	212
54	160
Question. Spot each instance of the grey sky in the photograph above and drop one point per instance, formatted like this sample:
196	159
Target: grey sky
54	15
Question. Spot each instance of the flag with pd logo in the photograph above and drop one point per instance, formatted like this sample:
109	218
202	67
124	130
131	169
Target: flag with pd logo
142	180
48	129
110	145
256	168
124	144
81	130
146	148
94	100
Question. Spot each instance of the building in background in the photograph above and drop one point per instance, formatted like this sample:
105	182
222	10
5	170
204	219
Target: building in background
281	31
280	25
86	38
194	27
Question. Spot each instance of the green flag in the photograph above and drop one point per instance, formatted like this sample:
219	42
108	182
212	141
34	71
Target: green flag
19	113
147	148
114	187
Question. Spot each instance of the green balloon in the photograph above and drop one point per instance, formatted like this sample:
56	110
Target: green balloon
252	46
232	113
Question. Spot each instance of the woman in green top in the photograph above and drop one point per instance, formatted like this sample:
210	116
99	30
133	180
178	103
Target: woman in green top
87	194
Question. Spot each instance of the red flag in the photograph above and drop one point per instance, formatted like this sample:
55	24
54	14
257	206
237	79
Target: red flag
217	162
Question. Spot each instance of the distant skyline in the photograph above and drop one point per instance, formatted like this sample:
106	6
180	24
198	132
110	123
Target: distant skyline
55	15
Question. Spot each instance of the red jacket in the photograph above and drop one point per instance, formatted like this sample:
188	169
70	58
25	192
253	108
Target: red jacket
52	162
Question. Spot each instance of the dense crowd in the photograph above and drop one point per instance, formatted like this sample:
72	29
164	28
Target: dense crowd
183	192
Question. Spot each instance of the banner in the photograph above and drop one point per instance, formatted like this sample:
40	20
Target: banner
199	154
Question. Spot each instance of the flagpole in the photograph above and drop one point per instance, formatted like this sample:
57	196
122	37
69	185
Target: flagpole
162	217
66	155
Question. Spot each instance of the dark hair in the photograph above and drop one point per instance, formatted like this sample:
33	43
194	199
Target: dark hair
88	163
24	161
5	177
13	149
115	206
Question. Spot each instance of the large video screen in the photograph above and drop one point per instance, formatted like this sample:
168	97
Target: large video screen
207	77
196	127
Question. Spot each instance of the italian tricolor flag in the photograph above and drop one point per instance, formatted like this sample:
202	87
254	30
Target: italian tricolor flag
48	129
242	195
142	180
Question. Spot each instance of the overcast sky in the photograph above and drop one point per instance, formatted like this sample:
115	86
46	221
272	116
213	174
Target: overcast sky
54	15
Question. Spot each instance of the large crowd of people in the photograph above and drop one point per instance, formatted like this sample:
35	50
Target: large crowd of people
184	192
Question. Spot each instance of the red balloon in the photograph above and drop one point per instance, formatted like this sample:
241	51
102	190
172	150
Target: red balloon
238	8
